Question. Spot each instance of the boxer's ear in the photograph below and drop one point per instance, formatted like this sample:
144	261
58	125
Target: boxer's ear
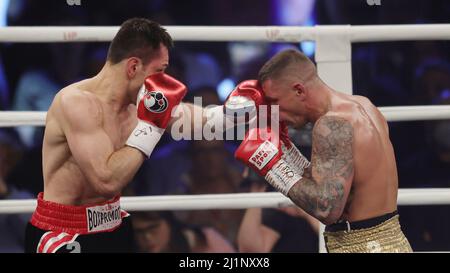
300	90
132	65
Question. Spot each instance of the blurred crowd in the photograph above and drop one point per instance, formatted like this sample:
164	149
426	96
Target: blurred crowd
388	73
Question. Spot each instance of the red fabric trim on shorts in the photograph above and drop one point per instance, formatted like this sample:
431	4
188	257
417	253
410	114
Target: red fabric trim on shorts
66	218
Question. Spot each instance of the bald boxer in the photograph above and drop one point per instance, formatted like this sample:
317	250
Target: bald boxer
96	139
351	183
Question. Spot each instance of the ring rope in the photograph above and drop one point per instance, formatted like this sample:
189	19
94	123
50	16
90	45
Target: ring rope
406	197
47	34
391	113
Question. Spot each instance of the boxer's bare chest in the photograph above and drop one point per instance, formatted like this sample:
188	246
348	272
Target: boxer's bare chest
118	127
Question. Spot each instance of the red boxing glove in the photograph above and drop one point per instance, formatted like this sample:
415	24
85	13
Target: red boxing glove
246	94
265	157
162	93
270	159
156	100
245	98
259	154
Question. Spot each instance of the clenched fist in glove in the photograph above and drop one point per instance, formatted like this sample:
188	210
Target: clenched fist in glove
244	99
156	100
273	156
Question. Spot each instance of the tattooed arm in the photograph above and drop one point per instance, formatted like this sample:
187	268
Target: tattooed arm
324	188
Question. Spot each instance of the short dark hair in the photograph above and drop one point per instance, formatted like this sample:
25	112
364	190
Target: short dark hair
276	66
138	37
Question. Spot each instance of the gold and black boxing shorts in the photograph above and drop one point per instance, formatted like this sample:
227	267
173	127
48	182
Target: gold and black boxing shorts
375	235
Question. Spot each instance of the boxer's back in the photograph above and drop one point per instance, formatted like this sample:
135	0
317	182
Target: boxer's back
375	183
64	182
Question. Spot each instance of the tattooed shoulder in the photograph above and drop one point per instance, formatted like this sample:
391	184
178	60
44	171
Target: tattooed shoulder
332	151
322	191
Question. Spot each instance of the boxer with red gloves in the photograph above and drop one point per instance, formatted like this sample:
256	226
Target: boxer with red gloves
95	141
351	183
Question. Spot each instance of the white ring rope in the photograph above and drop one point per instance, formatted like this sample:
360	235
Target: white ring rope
19	118
412	113
392	113
406	197
233	33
